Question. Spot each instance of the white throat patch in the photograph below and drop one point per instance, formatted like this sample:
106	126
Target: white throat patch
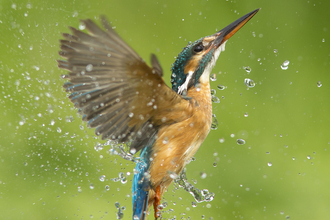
206	74
184	86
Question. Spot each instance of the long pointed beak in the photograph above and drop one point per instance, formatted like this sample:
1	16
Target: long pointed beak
224	34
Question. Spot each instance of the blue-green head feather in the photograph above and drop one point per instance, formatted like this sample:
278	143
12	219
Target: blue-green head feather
178	76
192	62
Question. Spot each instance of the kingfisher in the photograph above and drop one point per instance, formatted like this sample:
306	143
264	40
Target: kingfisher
127	101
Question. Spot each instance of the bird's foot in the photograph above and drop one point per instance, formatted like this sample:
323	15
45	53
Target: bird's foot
157	202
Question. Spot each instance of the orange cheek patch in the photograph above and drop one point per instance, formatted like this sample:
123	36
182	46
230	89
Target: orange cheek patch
192	63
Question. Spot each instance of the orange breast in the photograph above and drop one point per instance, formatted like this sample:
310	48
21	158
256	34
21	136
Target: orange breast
177	143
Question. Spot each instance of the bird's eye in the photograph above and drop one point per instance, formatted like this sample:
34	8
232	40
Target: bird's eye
198	48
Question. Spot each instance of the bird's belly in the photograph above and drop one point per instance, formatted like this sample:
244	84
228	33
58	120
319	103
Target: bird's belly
175	146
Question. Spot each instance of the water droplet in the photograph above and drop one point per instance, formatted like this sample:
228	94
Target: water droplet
246	114
124	180
89	67
75	14
221	140
79	189
232	135
13	6
121	175
131	114
221	87
98	147
165	141
285	65
269	164
213	77
247	69
203	175
173	175
293	158
59	130
213	92
215	99
91	186
193	204
82	26
308	157
319	84
323	40
102	178
275	50
214	125
249	83
28	5
132	151
240	141
107	187
215	164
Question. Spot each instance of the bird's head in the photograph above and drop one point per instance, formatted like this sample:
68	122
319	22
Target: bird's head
194	64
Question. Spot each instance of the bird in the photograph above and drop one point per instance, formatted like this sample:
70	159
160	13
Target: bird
127	101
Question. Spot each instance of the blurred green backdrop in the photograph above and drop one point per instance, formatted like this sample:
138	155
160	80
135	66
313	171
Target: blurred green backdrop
49	168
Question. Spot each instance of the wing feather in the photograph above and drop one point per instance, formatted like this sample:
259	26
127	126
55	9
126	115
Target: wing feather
114	89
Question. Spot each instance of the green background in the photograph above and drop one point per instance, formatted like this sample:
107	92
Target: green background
47	156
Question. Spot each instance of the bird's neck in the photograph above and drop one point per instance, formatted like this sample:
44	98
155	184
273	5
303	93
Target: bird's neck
201	94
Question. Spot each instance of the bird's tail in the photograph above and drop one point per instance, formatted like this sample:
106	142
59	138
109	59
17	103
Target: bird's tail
141	186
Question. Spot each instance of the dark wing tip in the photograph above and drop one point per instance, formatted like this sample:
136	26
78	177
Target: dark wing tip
156	65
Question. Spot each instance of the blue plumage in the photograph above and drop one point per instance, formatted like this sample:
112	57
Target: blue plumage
141	184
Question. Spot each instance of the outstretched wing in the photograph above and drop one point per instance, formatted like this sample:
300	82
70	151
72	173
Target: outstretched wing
114	89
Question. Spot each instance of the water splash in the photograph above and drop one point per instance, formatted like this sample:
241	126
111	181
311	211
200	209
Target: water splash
120	214
121	150
199	195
